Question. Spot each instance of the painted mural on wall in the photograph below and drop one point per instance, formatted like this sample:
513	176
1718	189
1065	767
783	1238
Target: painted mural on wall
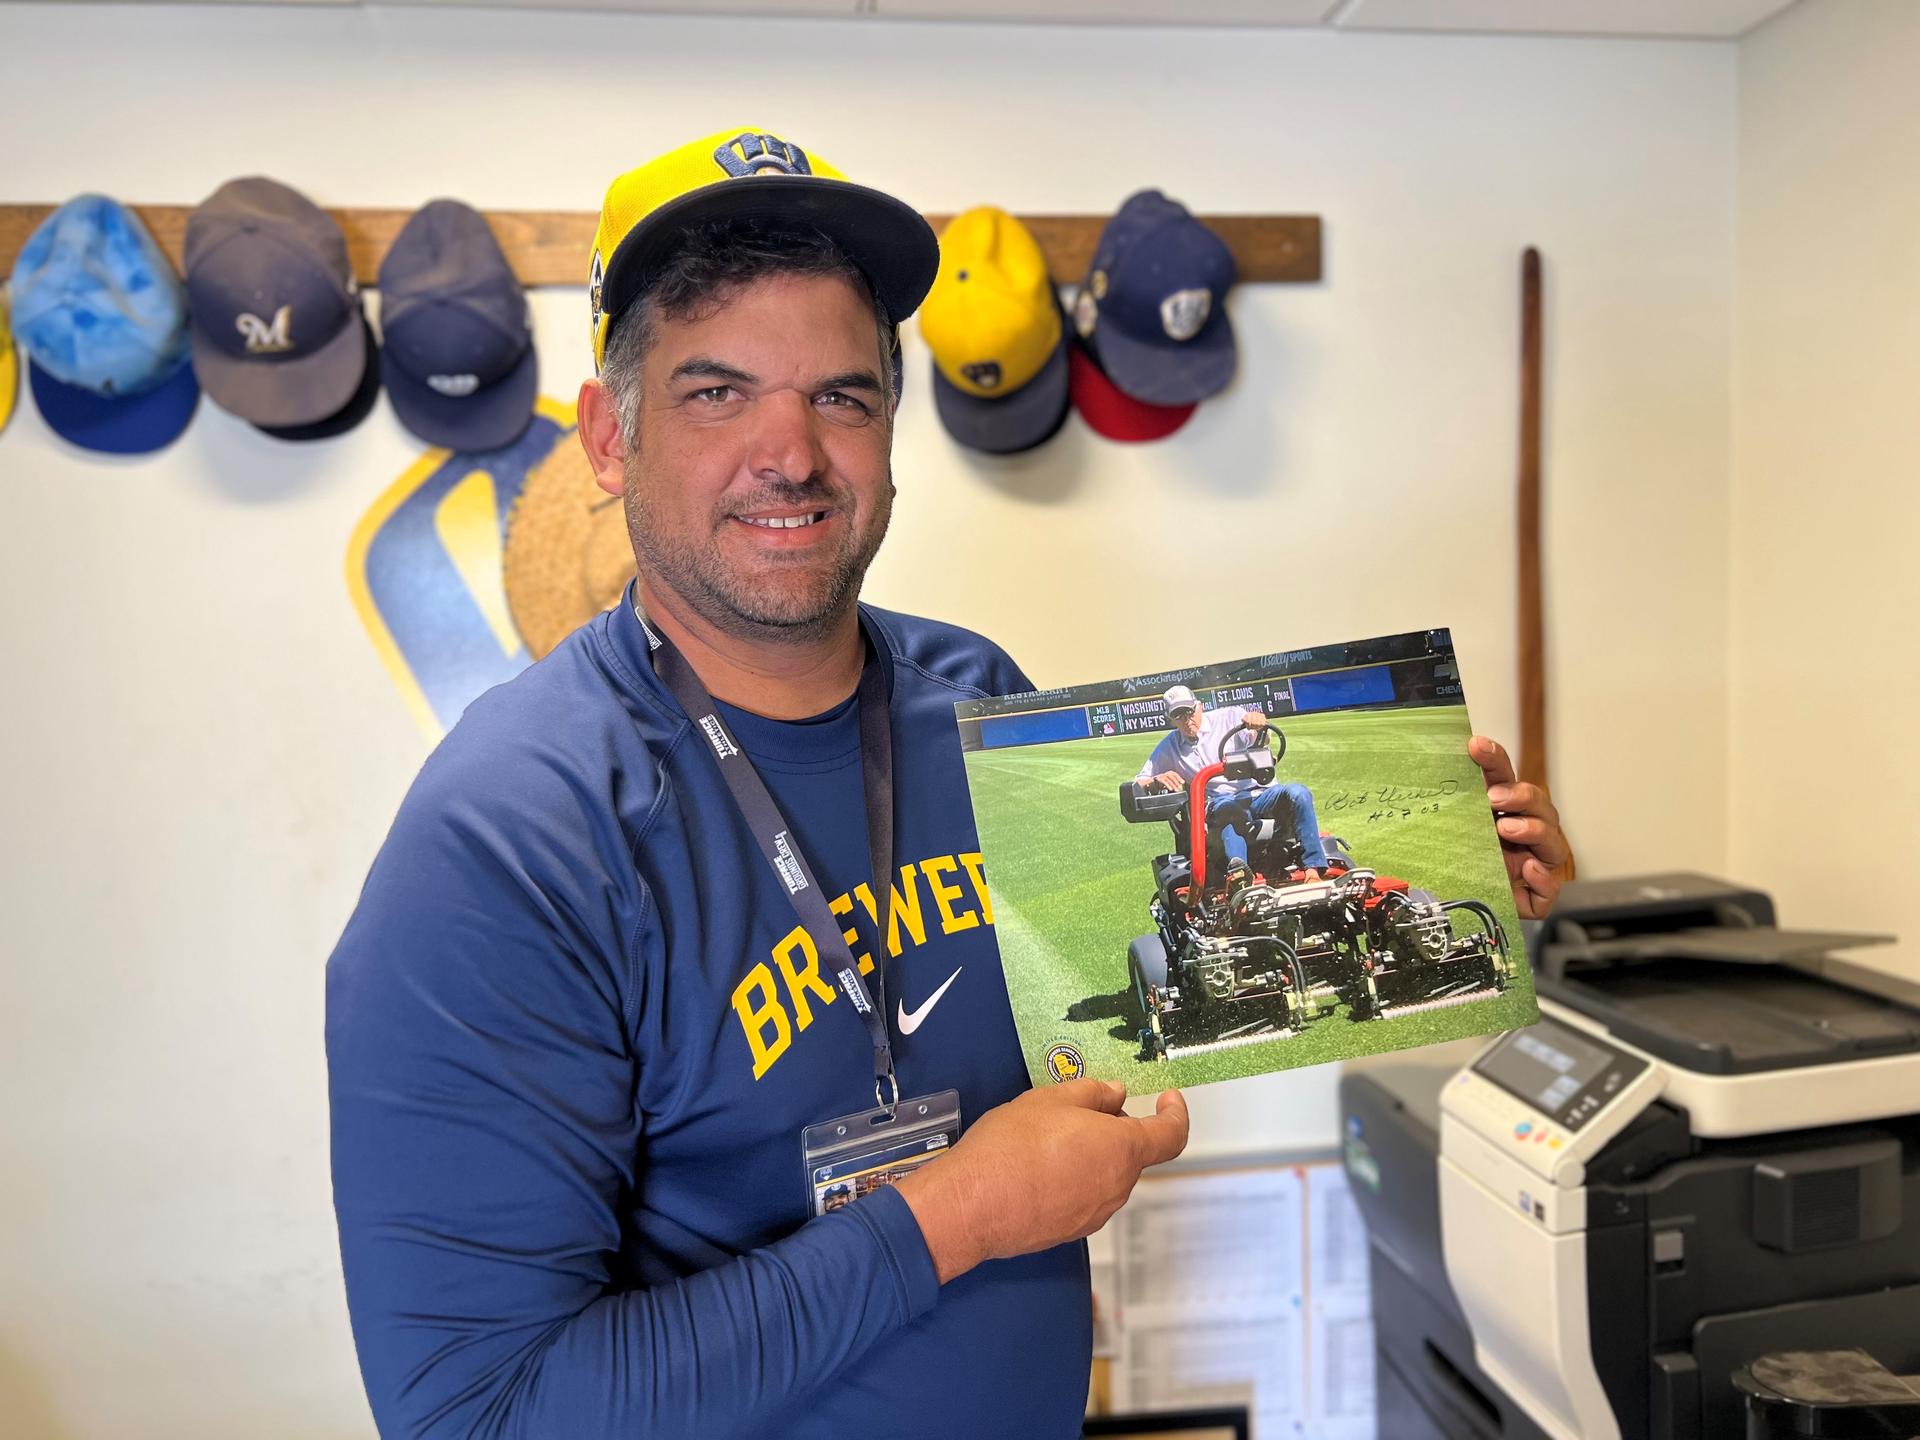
470	567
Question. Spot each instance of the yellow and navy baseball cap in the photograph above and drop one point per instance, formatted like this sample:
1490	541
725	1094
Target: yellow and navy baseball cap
994	326
9	366
749	175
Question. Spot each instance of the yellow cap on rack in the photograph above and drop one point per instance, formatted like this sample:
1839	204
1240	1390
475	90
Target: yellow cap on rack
991	319
9	365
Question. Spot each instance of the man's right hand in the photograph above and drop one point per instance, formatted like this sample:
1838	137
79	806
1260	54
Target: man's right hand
1169	780
1047	1167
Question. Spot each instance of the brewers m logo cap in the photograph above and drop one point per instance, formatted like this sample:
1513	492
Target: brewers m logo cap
1152	310
278	335
992	321
748	174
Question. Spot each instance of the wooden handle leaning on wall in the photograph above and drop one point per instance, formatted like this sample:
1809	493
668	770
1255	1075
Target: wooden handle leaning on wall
1531	763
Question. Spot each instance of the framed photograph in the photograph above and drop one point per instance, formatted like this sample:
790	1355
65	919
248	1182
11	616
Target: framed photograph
1220	1424
1243	867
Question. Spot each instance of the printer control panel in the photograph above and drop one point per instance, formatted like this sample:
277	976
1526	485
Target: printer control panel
1561	1075
1548	1098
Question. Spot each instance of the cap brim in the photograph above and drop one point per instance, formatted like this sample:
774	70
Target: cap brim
275	393
359	404
887	238
117	424
488	419
9	378
1162	371
1008	424
1111	412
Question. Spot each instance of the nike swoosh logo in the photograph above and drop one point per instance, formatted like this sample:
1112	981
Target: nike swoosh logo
910	1019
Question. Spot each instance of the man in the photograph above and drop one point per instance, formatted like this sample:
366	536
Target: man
1194	740
574	1030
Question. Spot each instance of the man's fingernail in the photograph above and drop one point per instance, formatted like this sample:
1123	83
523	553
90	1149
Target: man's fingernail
1499	795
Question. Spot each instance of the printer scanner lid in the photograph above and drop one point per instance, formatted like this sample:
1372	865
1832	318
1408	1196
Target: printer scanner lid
1695	972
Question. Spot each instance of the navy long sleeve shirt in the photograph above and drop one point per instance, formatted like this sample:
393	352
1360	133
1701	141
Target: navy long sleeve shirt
574	1034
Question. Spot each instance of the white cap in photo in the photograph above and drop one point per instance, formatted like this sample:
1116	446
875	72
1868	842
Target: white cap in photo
1180	698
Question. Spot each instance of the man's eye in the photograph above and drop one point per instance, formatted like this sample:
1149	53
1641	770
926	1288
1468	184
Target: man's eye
714	394
839	399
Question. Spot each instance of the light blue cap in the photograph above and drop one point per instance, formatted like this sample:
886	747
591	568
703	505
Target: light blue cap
98	309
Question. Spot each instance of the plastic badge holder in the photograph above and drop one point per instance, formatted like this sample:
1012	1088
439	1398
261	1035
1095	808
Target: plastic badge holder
857	1154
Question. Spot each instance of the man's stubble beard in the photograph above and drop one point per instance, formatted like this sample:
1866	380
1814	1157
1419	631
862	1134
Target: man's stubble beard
746	606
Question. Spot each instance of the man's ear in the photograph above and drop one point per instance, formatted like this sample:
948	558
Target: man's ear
599	429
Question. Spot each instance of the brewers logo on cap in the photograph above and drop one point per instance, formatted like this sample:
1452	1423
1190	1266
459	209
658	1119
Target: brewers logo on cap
749	174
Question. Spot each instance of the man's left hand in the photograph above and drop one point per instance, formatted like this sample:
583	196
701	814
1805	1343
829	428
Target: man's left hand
1531	840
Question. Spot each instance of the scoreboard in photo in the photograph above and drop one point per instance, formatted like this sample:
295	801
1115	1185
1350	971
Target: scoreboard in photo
1148	713
1417	668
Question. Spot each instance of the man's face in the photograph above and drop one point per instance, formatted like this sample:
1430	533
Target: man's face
759	486
1187	721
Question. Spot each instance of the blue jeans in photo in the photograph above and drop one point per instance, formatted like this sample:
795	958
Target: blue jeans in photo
1237	816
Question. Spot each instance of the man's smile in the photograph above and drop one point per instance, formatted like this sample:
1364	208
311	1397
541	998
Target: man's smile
785	522
787	528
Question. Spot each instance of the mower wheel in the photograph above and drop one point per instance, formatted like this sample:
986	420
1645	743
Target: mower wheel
1147	960
1147	974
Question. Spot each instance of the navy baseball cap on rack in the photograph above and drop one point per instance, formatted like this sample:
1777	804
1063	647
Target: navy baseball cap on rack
1153	307
103	320
279	338
458	361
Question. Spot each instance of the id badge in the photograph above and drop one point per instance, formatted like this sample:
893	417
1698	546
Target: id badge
857	1154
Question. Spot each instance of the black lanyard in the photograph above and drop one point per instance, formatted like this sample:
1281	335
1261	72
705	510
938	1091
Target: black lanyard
777	843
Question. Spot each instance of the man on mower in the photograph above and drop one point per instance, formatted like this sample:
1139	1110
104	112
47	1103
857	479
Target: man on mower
1234	807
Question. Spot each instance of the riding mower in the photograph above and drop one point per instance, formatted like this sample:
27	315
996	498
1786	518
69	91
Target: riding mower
1248	954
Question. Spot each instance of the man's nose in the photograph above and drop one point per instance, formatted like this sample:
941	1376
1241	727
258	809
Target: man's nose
785	443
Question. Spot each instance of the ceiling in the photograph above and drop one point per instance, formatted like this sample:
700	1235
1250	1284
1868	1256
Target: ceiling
1688	19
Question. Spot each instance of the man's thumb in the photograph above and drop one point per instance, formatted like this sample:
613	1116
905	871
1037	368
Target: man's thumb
1164	1131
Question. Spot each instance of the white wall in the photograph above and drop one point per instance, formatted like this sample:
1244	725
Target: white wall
205	751
1824	772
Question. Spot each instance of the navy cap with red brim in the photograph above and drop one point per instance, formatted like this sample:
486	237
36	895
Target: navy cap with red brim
1164	371
117	424
1114	414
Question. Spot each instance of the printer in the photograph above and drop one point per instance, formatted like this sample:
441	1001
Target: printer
1705	1154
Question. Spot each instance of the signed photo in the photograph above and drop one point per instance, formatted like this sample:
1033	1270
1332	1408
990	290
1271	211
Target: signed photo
1243	867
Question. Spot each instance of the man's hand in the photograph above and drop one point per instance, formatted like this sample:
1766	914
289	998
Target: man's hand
1047	1167
1168	780
1531	840
1253	717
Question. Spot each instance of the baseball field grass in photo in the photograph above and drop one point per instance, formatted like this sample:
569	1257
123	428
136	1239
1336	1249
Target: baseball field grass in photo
1071	881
